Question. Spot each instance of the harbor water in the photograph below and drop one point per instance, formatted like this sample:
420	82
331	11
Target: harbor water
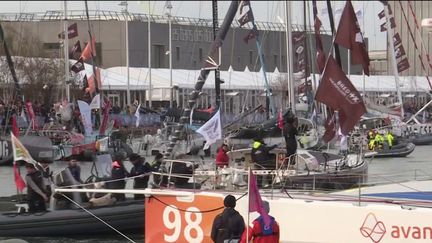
416	166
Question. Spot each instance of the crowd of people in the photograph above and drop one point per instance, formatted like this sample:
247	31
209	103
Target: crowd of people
378	140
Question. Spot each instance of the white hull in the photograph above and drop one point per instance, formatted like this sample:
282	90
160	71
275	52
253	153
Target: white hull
307	219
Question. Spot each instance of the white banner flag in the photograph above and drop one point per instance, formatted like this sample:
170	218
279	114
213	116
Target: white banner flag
137	115
211	130
85	111
95	104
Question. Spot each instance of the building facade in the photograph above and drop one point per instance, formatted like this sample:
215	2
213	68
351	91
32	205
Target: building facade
191	40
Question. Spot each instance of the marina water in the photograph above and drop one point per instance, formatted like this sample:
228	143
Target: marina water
417	166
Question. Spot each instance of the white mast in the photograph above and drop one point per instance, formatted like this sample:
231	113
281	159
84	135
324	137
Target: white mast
149	58
66	51
169	7
289	56
126	15
392	52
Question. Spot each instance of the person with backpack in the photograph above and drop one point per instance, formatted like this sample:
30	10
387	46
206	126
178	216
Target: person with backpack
259	233
229	225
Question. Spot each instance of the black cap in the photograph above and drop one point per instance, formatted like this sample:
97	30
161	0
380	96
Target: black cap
230	201
134	156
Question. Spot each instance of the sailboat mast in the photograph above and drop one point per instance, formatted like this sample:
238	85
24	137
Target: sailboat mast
66	50
169	7
217	71
390	35
149	57
333	30
126	15
289	56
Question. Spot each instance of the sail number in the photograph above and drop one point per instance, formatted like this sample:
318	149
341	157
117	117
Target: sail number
4	149
172	219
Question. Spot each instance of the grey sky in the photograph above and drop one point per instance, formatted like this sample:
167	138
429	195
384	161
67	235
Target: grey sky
263	11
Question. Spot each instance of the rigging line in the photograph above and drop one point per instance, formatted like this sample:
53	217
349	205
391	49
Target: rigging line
419	34
415	44
96	217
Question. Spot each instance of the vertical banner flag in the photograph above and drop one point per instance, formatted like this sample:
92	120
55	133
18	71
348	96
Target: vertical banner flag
72	32
89	50
85	111
349	36
20	152
211	130
31	113
19	182
137	115
15	129
106	110
255	200
95	103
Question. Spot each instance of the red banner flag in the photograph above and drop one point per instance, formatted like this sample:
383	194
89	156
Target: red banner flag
396	39
320	56
89	50
78	66
72	32
280	120
19	182
349	36
32	116
399	51
330	127
15	129
75	49
384	25
255	201
403	65
337	92
106	109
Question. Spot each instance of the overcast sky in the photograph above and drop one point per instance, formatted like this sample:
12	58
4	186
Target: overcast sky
269	11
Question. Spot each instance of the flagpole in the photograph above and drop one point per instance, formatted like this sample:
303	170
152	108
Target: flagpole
289	55
248	204
66	50
149	58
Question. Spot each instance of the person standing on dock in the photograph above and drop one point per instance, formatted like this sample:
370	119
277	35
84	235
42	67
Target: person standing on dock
118	176
229	225
290	132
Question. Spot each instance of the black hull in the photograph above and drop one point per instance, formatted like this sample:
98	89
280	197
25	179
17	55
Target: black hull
400	150
125	217
40	148
425	139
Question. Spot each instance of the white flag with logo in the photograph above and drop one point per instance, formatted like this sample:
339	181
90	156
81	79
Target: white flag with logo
211	130
85	116
95	104
137	115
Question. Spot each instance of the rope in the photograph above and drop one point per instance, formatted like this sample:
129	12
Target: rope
191	211
415	44
101	220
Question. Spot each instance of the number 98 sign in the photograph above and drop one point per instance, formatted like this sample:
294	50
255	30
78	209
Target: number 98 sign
177	221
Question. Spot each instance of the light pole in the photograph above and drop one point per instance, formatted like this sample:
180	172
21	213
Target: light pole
126	15
168	7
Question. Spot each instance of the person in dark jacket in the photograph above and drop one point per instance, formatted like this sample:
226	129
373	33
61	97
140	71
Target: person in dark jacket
118	174
229	225
36	194
290	132
140	167
261	154
75	170
47	177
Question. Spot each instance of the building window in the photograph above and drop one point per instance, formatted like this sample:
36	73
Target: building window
250	57
178	54
158	56
51	46
200	55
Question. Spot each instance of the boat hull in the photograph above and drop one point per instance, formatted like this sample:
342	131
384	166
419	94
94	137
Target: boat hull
40	148
128	216
400	150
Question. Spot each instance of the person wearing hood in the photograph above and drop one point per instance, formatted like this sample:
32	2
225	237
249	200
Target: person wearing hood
118	176
259	233
229	225
140	167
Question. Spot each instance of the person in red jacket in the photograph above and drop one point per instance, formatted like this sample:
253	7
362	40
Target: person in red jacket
261	234
222	158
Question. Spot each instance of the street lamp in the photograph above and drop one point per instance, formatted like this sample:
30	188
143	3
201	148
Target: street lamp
126	15
168	8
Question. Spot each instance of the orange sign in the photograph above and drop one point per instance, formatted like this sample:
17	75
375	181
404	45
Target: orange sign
172	219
